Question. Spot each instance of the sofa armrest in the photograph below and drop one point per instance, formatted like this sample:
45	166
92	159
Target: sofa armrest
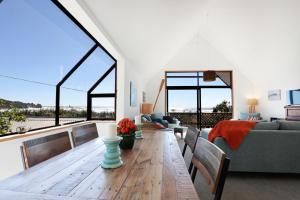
204	133
161	121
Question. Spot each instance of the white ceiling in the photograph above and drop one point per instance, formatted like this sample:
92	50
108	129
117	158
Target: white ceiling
260	37
146	32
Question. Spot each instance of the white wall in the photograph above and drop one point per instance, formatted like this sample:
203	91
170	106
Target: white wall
258	39
261	38
133	75
199	54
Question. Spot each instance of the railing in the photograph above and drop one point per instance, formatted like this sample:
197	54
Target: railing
208	120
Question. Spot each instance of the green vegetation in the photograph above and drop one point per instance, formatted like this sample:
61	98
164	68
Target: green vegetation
6	118
224	107
6	104
15	111
72	113
103	115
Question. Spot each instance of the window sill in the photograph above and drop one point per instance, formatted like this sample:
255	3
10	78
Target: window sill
37	132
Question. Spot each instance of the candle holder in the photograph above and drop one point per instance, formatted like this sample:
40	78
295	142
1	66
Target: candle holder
112	153
139	132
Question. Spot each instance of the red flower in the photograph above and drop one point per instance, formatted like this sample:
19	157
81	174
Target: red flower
126	126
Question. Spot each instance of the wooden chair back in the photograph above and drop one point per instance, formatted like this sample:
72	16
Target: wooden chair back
211	161
84	133
191	138
40	149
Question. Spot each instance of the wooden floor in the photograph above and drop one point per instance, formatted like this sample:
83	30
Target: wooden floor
251	186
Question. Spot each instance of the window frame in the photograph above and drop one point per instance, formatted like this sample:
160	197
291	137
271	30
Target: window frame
90	96
198	88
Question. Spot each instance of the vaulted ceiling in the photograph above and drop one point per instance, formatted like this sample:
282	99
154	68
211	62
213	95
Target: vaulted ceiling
259	37
147	33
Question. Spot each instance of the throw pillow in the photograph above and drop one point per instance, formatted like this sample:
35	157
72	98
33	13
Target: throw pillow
144	119
253	118
169	119
147	117
245	116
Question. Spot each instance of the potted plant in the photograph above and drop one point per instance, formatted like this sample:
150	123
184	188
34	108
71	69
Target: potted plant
126	130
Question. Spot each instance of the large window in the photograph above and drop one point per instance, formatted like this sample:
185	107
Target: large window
48	65
198	102
184	101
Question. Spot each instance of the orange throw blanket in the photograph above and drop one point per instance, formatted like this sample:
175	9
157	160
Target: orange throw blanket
233	131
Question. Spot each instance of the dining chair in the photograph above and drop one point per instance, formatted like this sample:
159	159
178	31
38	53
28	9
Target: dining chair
84	133
190	140
40	149
213	164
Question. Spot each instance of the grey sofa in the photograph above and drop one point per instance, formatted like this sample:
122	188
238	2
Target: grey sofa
270	147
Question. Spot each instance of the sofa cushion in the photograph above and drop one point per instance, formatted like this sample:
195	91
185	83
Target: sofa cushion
169	119
245	116
266	126
289	125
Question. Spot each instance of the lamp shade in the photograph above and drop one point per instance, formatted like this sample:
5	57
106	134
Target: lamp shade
147	108
252	102
209	76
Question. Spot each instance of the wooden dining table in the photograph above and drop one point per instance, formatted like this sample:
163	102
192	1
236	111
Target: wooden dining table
153	169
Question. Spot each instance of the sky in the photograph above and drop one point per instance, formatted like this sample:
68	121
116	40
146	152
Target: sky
187	99
40	43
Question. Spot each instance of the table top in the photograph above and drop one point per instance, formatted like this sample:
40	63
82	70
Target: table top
153	169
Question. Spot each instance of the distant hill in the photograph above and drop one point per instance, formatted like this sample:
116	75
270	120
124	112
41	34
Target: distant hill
8	104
